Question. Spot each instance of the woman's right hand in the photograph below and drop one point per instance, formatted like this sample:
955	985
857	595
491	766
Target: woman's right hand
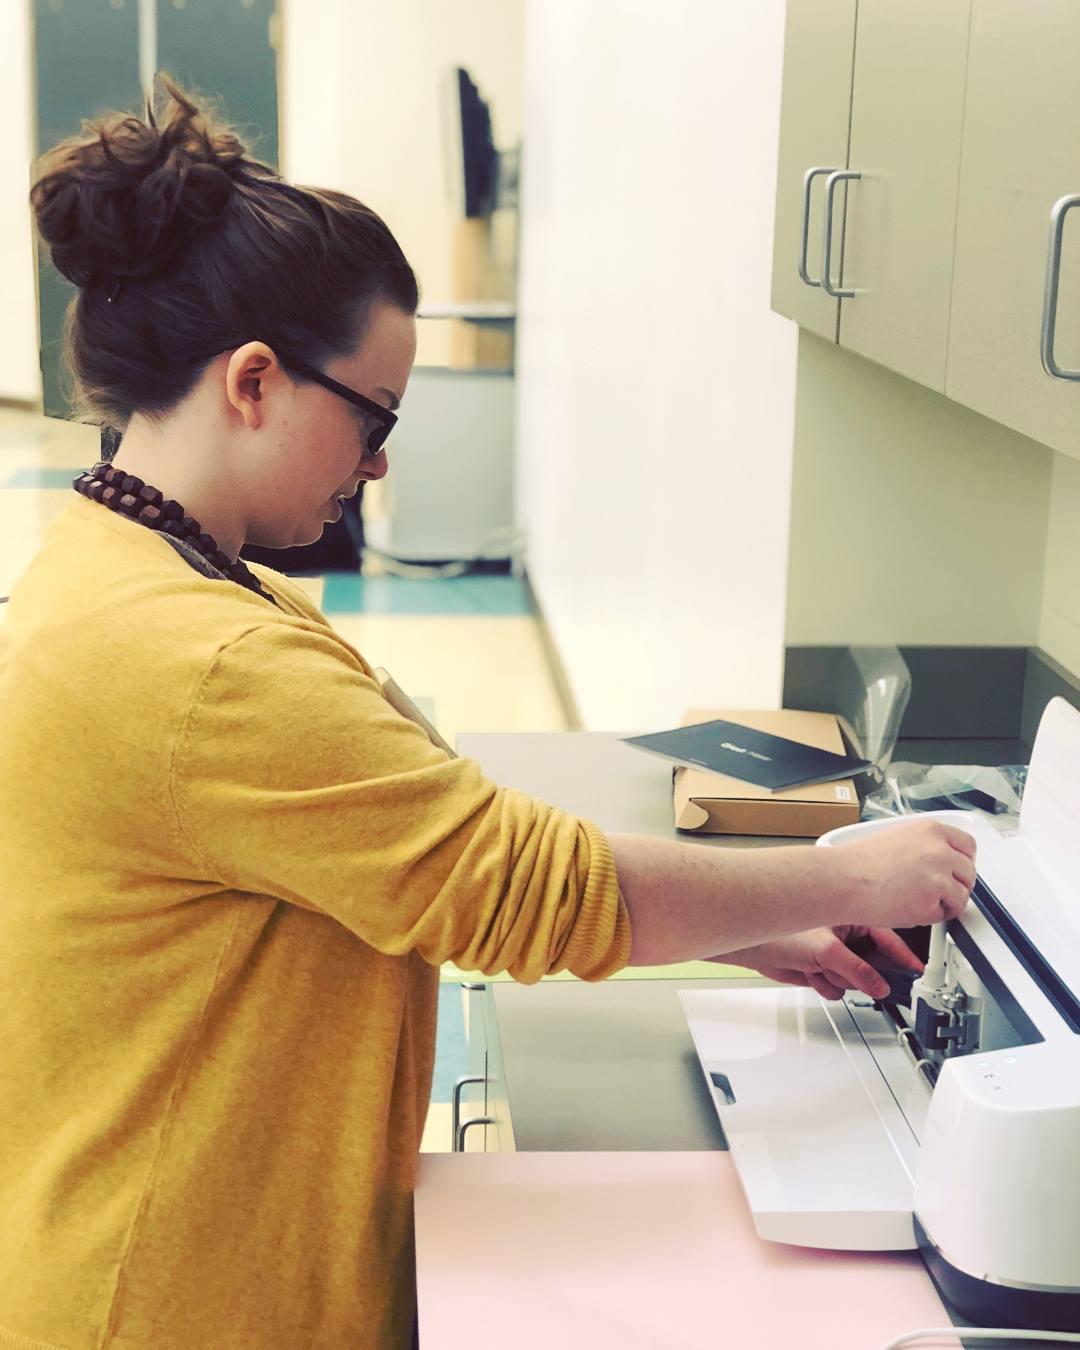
915	872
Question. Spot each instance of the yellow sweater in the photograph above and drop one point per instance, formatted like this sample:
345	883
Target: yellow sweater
228	870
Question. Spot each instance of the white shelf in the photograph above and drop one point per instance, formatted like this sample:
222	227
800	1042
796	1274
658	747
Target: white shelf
475	311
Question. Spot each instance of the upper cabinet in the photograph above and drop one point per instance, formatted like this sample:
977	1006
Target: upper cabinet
907	115
1021	157
814	122
955	205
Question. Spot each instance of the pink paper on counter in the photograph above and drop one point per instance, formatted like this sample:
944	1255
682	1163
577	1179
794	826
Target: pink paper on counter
637	1251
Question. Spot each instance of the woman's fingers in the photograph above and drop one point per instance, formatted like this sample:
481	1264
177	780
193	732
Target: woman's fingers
960	840
823	985
843	968
955	900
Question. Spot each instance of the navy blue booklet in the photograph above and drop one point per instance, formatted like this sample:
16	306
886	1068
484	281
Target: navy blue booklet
770	762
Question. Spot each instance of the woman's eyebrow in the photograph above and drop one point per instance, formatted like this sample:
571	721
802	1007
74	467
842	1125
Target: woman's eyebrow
392	400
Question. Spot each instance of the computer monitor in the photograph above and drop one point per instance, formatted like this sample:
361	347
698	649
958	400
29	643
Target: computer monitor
469	147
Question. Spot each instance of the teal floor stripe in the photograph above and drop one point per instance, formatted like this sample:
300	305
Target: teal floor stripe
450	1048
345	593
42	478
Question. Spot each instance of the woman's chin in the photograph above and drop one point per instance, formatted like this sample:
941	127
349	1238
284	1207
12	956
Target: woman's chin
310	532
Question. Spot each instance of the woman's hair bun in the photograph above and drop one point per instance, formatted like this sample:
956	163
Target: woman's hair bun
126	197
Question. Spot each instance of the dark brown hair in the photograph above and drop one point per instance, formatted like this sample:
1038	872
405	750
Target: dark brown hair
182	245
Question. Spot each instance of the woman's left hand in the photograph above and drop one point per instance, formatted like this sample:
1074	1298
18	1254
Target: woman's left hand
824	960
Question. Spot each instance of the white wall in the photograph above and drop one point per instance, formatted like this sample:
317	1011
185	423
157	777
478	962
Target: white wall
914	520
360	111
655	385
1059	626
20	373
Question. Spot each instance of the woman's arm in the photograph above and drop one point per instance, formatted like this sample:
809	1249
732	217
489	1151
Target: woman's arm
687	902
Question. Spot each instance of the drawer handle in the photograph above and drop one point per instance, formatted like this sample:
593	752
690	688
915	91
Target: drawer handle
455	1108
1061	209
831	184
722	1083
807	188
466	1125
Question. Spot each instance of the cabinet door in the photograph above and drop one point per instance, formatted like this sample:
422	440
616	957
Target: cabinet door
818	43
484	1100
473	1098
906	125
1021	154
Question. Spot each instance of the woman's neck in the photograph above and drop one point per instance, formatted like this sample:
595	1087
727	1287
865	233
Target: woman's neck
182	465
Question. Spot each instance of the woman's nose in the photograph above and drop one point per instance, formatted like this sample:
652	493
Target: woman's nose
377	466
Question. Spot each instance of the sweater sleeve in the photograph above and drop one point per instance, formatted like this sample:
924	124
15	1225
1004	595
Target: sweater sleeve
293	777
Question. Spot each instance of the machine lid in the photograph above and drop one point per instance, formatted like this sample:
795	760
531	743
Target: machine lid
818	1140
1041	887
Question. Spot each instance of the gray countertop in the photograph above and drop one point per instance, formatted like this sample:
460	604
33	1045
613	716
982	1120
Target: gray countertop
592	774
593	1067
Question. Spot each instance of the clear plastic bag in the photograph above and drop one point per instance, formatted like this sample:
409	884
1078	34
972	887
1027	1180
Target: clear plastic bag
871	692
906	789
872	723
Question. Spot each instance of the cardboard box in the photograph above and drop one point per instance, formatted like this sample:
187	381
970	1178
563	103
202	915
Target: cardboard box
713	803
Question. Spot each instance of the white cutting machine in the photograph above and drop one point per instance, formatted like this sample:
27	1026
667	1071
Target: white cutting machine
945	1118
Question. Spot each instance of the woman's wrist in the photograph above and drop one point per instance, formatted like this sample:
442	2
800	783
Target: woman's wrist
839	888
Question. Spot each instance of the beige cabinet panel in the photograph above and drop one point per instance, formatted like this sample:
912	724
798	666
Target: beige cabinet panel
818	45
1021	154
906	126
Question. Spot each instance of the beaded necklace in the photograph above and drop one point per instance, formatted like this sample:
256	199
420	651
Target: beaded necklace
130	496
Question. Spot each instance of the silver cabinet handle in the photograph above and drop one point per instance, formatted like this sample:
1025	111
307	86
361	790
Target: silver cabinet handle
455	1108
831	184
1061	209
807	188
467	1125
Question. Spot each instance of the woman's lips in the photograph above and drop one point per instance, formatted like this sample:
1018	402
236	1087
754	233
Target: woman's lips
351	489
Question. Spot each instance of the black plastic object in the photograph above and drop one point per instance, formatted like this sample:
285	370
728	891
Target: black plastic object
969	798
900	981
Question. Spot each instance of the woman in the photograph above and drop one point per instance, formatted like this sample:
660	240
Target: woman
229	869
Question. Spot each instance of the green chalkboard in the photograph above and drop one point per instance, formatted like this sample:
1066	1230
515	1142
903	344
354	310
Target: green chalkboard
223	48
86	55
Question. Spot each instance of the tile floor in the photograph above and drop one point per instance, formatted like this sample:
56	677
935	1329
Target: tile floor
468	649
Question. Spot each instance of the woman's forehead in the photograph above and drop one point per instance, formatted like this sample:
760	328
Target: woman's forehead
384	356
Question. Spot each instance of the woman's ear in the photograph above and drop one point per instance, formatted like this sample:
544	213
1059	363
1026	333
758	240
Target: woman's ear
252	373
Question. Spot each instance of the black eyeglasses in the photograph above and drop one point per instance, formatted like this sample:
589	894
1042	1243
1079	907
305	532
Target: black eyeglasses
387	420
